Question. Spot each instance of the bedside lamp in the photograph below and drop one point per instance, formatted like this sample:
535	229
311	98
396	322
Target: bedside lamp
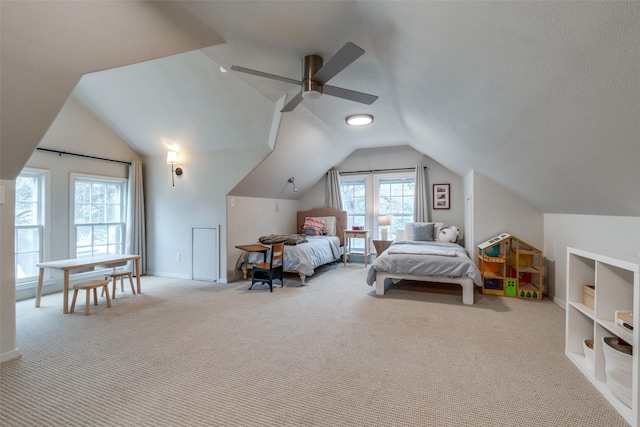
384	221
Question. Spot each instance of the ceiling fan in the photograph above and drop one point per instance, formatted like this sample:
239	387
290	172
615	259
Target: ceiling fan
315	75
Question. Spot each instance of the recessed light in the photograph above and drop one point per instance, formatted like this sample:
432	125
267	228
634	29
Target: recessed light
360	120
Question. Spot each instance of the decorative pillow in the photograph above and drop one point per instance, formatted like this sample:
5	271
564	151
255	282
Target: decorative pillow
422	232
329	224
408	229
317	225
449	234
309	231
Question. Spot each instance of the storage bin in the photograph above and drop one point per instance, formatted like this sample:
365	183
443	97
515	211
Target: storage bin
618	361
588	295
589	353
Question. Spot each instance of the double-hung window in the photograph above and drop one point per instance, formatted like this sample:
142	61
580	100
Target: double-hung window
29	224
98	215
396	199
366	197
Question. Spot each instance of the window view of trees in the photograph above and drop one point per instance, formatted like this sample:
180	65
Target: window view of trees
98	212
28	224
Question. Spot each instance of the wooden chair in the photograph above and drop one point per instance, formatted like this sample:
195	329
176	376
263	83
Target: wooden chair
88	286
267	272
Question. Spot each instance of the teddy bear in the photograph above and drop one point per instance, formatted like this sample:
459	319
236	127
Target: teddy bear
449	234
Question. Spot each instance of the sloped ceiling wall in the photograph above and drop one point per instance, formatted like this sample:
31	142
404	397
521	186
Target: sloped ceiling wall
543	97
48	46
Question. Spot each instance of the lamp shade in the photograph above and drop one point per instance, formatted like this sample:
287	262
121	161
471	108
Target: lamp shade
384	220
172	157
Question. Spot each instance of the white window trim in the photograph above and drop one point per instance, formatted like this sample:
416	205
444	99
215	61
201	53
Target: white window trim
72	198
45	243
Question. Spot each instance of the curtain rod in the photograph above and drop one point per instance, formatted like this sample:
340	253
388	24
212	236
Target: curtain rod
60	153
380	170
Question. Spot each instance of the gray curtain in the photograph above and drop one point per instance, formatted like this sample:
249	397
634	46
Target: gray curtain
421	200
332	198
136	241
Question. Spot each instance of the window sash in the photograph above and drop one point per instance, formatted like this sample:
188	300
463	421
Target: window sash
98	216
28	252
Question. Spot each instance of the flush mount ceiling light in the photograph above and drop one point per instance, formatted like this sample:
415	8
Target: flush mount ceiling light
360	120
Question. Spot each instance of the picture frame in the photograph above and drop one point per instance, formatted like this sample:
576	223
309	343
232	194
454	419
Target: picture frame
441	196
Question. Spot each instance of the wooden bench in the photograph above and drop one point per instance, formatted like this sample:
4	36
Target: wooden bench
87	286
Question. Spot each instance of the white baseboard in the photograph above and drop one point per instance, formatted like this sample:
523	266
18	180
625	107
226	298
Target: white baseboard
10	355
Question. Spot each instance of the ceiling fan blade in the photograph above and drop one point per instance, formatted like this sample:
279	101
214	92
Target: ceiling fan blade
352	95
293	103
267	75
345	56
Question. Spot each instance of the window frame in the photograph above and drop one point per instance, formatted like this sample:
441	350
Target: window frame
73	229
372	196
42	215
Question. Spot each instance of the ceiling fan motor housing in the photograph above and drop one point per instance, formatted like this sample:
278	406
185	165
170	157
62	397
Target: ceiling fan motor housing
310	88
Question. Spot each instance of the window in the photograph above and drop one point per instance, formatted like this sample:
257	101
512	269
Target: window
98	215
396	198
354	200
365	197
28	224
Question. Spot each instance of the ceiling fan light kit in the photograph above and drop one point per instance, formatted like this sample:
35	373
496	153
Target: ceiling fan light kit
315	75
359	120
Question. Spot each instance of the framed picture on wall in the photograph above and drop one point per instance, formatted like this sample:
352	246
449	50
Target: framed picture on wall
441	196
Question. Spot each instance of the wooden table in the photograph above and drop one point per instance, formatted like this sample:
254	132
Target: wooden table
255	247
356	234
66	265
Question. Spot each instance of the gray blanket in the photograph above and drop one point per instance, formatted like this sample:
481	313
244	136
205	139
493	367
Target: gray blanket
421	259
287	239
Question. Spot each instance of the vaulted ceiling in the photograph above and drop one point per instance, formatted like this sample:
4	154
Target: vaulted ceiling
543	97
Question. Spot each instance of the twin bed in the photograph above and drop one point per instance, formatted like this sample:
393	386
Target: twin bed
414	257
304	258
426	260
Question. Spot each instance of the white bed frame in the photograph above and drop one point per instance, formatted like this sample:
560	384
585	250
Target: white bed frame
466	283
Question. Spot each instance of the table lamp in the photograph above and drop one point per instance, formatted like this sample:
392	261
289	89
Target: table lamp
384	221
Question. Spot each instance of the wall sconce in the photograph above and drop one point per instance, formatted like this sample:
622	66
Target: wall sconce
172	159
292	181
383	221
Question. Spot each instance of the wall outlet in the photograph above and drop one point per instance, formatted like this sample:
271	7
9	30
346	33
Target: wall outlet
233	201
178	257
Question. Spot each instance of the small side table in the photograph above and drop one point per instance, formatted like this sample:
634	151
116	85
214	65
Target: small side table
356	234
381	245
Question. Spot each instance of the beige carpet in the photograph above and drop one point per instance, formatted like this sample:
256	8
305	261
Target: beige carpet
331	353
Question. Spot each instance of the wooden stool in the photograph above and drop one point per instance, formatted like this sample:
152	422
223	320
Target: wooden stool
121	276
87	286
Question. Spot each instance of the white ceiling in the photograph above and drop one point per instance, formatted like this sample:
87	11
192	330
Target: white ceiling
543	97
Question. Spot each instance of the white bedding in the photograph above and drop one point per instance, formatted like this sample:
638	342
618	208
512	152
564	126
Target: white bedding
425	259
302	258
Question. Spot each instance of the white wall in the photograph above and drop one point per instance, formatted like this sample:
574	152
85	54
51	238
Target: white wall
497	210
397	158
249	218
198	199
8	349
613	236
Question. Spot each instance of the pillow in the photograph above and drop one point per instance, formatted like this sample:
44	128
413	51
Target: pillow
408	229
329	224
449	234
309	231
315	224
422	232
